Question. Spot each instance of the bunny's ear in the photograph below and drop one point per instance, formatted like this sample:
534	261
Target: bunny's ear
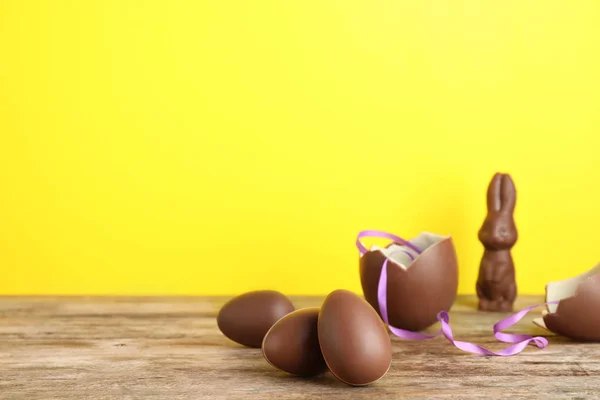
508	194
493	194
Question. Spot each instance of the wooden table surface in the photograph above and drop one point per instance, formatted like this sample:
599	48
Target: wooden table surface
170	348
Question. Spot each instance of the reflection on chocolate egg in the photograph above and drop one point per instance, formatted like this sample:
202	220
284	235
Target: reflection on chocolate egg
576	315
353	339
292	344
246	318
416	290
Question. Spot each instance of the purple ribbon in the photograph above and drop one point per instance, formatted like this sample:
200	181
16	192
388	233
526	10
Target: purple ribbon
384	235
520	341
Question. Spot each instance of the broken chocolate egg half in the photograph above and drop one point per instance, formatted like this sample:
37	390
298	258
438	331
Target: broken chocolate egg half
419	286
576	315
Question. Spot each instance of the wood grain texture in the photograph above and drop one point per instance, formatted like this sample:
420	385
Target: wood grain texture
170	348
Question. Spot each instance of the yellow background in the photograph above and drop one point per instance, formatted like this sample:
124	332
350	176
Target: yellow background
214	147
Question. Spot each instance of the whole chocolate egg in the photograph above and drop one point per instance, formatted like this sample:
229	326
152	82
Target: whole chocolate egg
246	318
292	344
576	315
417	290
354	341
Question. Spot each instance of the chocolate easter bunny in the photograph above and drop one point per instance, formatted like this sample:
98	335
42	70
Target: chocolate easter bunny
496	286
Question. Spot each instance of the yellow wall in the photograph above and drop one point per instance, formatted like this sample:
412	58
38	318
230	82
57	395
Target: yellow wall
206	147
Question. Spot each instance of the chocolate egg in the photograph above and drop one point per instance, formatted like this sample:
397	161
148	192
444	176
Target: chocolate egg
246	318
416	290
292	344
353	339
576	315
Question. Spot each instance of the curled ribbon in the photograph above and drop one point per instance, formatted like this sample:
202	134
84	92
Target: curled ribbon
520	341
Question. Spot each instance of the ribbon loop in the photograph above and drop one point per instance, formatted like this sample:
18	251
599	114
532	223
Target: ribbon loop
382	235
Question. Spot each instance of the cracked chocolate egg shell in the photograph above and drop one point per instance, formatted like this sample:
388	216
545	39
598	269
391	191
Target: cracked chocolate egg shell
416	290
292	344
576	315
247	318
354	341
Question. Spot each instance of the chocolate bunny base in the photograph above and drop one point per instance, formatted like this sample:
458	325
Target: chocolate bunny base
496	287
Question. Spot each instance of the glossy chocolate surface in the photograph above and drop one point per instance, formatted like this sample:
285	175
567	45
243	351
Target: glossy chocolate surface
353	339
246	318
292	344
416	295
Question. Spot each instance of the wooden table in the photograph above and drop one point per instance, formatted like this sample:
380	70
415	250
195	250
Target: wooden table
170	348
